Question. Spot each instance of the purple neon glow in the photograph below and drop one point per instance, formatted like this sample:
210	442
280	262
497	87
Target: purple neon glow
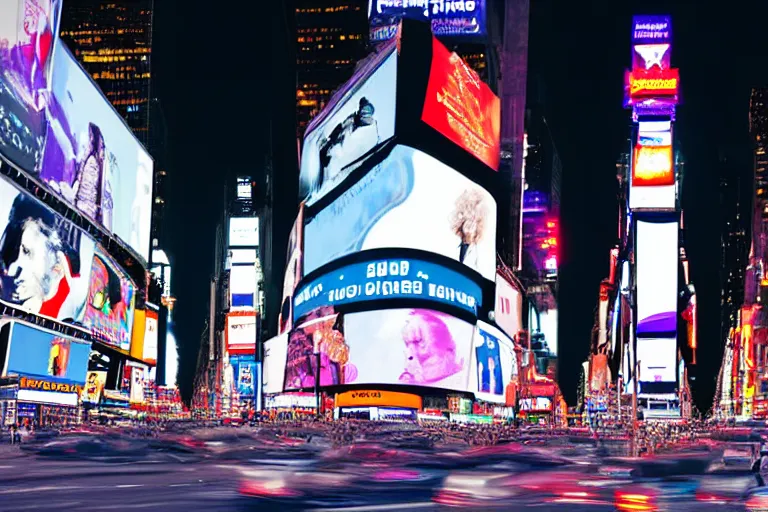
659	323
651	29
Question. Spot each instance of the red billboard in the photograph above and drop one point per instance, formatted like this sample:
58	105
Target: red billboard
653	83
462	107
653	166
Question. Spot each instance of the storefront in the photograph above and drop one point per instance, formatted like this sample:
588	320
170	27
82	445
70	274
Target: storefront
290	405
40	403
536	411
377	405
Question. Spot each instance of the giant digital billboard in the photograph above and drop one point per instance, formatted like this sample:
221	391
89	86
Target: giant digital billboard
410	200
449	18
241	332
383	279
462	107
28	29
242	287
509	307
150	336
657	260
657	359
396	346
275	354
45	261
652	183
647	29
109	310
359	117
243	231
494	363
92	159
44	354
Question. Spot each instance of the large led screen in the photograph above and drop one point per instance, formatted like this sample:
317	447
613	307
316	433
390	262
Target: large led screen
657	359
397	346
449	18
92	159
462	107
242	286
494	363
509	307
243	231
651	29
657	260
410	200
293	272
358	119
275	354
244	375
45	261
151	326
39	353
241	332
28	29
388	279
109	311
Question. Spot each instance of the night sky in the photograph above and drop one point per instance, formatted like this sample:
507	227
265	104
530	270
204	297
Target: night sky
212	71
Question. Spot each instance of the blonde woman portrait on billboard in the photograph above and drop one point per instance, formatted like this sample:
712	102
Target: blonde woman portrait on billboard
430	350
468	223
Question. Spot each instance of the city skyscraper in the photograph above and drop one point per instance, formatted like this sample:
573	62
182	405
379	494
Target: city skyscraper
113	42
758	130
331	38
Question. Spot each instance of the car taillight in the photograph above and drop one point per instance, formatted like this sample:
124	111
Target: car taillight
757	503
634	502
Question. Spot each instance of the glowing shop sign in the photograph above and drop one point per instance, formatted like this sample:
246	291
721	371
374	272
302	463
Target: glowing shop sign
651	28
653	166
653	83
388	279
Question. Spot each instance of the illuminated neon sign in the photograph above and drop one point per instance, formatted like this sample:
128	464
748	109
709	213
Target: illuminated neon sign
650	56
651	29
653	166
654	83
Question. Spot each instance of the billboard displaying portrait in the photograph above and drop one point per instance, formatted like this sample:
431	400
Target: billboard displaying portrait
28	29
389	279
657	359
45	354
322	335
92	159
241	332
275	354
462	107
94	387
244	369
293	272
657	260
359	117
45	261
410	200
109	311
494	364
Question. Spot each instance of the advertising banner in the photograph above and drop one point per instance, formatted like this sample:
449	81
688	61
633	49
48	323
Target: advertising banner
657	260
359	398
28	29
150	337
244	370
137	333
410	200
293	272
653	166
655	139
449	18
509	307
109	311
358	119
494	363
462	107
275	354
388	279
92	159
94	387
247	256
241	332
651	56
45	261
40	353
242	286
652	83
651	29
657	359
538	404
398	346
243	231
137	386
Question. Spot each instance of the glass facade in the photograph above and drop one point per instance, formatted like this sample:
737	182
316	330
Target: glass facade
113	42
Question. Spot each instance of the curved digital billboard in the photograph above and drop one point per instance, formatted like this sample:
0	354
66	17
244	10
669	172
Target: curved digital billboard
360	116
385	279
409	200
397	346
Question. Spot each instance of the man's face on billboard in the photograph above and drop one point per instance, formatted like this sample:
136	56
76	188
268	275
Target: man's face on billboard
36	267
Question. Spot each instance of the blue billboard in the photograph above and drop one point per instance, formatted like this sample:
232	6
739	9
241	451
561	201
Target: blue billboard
449	18
651	29
38	353
388	279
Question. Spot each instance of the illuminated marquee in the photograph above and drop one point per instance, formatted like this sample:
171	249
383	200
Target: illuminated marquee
653	166
654	83
44	385
656	29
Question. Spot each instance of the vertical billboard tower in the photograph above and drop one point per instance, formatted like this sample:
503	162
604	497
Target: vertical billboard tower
651	91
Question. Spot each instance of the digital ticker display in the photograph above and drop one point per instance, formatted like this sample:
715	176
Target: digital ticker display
389	279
